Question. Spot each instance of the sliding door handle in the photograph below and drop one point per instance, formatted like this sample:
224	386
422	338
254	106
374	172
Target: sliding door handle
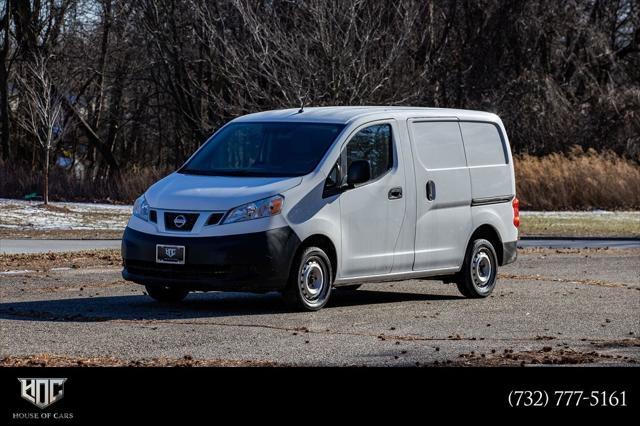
431	190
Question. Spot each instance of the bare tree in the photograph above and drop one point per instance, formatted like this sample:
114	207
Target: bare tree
146	81
43	117
5	24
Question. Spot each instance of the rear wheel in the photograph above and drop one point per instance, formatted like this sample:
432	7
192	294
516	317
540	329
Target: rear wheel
165	293
310	280
477	278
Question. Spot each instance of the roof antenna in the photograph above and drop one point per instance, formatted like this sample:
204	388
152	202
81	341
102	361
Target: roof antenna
303	99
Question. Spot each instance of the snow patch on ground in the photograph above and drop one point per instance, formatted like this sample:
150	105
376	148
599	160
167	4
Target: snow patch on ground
16	272
19	214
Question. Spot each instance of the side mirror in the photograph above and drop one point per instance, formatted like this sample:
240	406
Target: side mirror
359	172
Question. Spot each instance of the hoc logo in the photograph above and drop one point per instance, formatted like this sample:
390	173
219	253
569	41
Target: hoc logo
170	252
42	392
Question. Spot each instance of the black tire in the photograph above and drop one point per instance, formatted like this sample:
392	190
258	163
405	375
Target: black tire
353	287
166	294
477	278
310	280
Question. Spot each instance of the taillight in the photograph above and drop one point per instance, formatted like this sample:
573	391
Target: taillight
516	212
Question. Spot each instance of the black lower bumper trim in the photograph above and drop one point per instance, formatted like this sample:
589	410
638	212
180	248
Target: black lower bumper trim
256	261
509	252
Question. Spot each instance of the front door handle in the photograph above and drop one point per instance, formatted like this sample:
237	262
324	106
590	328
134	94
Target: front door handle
431	190
395	193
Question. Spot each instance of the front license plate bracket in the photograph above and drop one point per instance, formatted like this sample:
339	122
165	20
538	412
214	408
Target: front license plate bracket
168	253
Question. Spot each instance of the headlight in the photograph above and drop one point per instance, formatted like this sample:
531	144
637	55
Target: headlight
141	208
261	208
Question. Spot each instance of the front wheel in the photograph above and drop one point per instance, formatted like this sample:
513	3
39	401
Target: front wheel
477	278
165	293
310	280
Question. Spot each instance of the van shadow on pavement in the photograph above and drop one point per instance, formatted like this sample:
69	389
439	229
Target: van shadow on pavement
196	305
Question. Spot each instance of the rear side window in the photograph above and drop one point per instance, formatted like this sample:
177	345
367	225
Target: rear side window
483	144
373	144
439	144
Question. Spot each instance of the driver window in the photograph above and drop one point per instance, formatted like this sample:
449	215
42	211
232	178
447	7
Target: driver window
373	144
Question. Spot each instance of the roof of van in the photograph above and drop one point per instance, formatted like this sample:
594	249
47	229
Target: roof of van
347	114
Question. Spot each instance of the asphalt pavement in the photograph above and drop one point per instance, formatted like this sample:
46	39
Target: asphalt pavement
43	246
548	307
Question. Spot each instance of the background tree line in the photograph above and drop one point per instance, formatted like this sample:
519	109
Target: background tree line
141	83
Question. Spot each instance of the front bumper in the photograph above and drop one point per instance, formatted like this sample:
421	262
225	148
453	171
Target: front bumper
256	261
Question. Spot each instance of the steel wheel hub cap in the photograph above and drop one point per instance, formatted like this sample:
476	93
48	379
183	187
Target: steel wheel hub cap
481	268
312	279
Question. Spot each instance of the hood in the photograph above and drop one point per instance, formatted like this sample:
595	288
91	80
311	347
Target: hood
192	192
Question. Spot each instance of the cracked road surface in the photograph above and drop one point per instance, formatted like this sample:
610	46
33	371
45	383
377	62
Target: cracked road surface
550	307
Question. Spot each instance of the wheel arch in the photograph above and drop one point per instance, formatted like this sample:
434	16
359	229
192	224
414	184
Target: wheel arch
326	244
491	234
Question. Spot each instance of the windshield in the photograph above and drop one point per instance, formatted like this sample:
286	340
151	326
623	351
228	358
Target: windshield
264	149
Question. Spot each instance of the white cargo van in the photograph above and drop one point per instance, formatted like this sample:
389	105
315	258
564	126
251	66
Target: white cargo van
305	201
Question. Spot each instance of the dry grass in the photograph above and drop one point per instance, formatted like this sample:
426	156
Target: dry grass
577	181
581	224
547	355
72	259
61	234
16	181
51	360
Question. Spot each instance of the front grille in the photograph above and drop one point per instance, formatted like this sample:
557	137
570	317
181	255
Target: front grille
180	221
153	216
166	270
214	218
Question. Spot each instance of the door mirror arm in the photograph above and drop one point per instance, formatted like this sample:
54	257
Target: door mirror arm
337	186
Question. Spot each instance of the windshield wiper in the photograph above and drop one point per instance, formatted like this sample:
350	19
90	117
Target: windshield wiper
194	172
251	173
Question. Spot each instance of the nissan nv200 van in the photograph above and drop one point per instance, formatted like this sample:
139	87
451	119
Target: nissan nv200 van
305	201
